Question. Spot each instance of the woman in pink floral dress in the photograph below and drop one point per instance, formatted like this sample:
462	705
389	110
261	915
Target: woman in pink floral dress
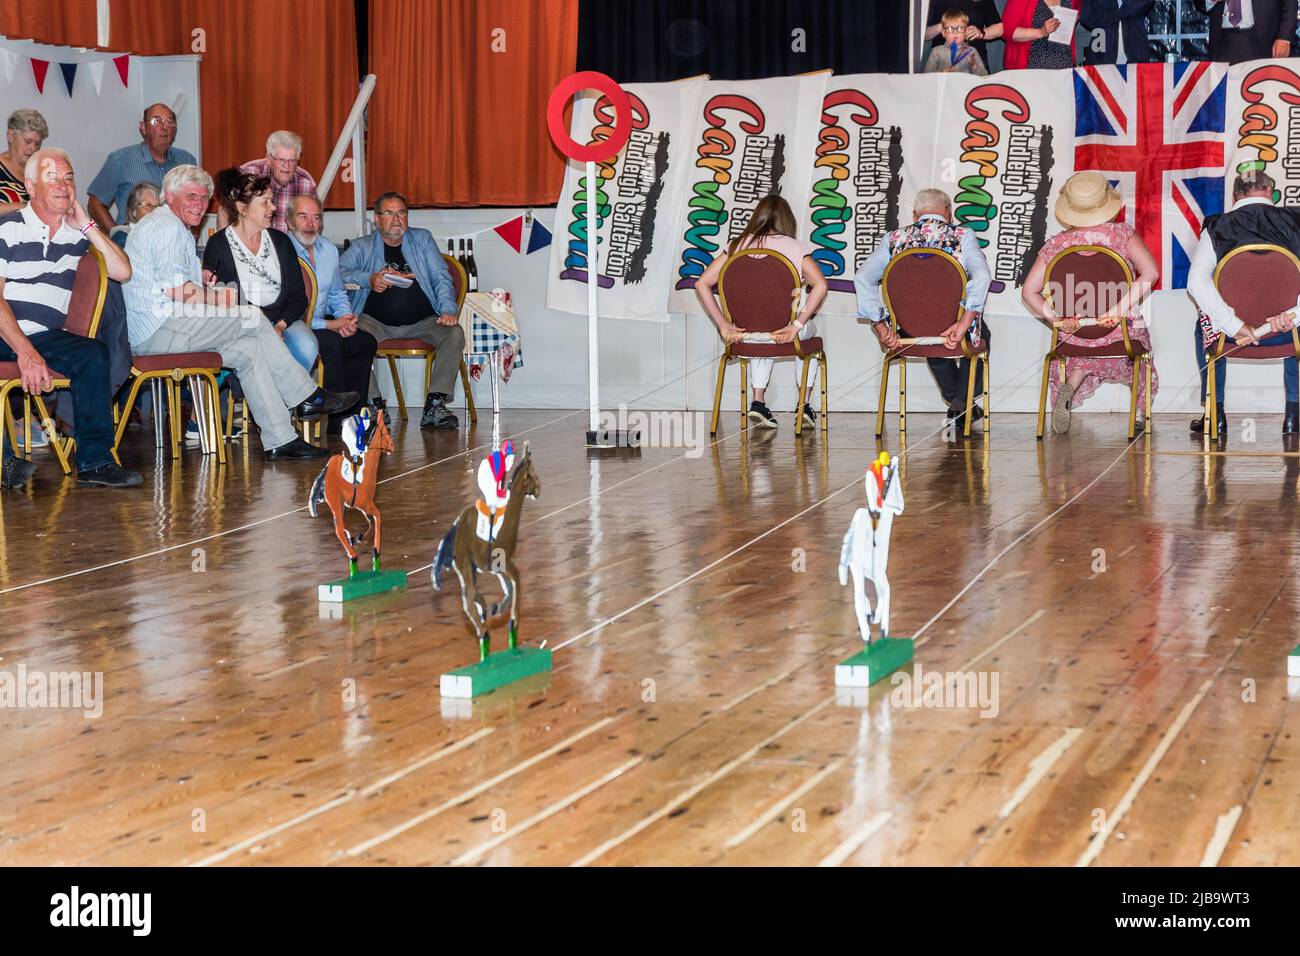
1087	207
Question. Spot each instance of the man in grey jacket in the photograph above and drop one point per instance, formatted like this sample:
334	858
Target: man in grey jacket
406	293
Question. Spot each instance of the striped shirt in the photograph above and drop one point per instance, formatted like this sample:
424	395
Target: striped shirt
163	256
130	165
38	269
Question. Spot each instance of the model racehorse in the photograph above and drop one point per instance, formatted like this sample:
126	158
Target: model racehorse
865	552
483	538
348	481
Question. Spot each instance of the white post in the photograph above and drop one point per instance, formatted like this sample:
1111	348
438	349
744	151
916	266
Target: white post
359	183
102	22
350	125
593	316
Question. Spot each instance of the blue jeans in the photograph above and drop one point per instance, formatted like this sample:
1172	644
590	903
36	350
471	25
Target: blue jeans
1290	368
302	345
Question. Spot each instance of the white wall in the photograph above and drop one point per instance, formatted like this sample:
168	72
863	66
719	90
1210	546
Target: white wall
642	363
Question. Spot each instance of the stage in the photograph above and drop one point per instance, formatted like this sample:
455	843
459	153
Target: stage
1125	612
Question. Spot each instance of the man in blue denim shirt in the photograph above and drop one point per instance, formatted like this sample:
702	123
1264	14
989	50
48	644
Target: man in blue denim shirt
424	309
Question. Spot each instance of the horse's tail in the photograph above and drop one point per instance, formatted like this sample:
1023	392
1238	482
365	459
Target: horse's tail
317	492
446	552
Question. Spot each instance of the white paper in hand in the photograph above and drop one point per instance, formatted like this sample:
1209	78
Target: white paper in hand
402	282
1065	32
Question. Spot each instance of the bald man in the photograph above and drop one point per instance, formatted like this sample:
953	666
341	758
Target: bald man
146	162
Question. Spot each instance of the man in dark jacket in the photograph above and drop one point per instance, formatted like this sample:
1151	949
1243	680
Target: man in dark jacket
1119	31
1242	30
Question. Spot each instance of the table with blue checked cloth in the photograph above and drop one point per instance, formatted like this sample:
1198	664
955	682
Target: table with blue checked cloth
489	325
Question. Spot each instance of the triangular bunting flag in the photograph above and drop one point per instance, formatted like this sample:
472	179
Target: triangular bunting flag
8	63
539	238
512	231
96	68
39	68
123	64
69	75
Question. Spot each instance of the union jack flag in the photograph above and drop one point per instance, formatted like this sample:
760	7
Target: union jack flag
1156	130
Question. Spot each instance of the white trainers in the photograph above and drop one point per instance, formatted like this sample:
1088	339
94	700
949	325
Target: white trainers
39	438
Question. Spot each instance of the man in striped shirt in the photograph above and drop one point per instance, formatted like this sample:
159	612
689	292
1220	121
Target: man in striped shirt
40	247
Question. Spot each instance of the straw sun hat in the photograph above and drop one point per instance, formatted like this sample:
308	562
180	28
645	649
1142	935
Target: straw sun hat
1087	199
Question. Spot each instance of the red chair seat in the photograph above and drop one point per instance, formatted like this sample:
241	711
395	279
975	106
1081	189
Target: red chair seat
935	351
171	360
776	349
1113	350
406	345
1286	350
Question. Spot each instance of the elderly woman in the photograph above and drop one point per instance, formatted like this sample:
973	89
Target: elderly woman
27	130
144	199
1087	207
260	262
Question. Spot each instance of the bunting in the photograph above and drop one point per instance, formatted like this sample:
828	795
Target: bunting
538	238
39	69
512	232
69	71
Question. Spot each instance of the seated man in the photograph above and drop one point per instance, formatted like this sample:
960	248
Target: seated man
933	229
288	179
346	352
1252	219
40	247
145	162
425	309
170	310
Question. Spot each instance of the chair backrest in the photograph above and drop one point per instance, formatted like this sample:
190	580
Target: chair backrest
1087	282
459	280
1258	281
760	290
89	291
309	280
923	290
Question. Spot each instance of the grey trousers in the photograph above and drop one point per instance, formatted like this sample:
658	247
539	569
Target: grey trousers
449	340
272	380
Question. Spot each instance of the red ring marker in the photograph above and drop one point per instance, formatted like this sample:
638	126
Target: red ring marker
596	152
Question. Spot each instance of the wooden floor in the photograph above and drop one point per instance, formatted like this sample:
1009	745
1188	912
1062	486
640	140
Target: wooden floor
1142	715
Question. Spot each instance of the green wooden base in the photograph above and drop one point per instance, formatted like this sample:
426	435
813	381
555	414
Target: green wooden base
500	669
876	662
362	584
1293	663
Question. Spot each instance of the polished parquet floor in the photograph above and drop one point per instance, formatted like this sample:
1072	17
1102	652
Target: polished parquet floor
1132	607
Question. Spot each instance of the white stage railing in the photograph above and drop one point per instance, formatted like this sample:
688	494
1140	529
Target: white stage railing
352	130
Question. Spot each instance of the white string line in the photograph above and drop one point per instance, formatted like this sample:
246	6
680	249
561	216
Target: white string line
261	521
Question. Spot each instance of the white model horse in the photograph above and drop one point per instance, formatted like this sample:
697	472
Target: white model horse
866	545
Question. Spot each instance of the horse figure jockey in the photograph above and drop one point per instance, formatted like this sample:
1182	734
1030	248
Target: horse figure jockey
483	538
348	481
866	545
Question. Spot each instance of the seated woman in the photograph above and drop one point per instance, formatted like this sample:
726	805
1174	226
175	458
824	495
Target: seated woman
260	262
144	199
772	226
1087	207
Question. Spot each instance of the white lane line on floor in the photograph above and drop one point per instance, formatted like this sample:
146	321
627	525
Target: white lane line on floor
1039	768
690	792
858	840
257	838
780	806
1098	842
475	790
1223	828
291	667
1012	633
470	856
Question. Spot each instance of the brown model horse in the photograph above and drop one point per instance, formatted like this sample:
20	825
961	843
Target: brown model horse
341	492
467	554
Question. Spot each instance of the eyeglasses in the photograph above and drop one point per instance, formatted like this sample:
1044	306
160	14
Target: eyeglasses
954	29
281	161
393	214
162	121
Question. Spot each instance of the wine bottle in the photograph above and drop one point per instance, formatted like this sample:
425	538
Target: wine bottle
451	248
460	256
471	267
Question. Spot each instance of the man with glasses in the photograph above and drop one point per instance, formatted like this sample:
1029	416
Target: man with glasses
288	179
406	293
171	309
146	162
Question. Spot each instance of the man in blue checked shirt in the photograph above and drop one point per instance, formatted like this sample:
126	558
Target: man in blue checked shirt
146	162
346	351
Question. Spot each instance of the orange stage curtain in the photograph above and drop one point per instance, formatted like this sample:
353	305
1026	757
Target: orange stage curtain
453	123
62	22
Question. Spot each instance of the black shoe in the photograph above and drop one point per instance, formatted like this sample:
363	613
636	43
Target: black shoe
296	449
1291	425
321	403
16	472
437	414
957	412
809	416
109	476
761	415
1197	425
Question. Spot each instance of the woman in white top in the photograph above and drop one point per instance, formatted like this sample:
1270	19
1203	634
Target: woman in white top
260	262
772	226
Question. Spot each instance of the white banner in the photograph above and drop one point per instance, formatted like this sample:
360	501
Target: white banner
1263	126
636	211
